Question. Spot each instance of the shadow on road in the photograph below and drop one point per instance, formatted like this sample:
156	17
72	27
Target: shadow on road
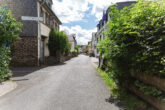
117	102
58	64
23	71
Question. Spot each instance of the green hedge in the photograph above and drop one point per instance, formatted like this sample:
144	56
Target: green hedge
9	31
5	73
135	42
73	51
58	42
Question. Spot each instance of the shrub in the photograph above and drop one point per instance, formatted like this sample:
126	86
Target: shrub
86	51
135	43
58	41
5	73
9	31
9	27
73	51
135	40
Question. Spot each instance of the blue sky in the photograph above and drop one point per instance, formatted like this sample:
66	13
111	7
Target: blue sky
81	16
89	21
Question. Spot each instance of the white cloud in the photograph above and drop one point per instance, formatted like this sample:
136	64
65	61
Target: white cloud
82	35
100	5
70	10
74	10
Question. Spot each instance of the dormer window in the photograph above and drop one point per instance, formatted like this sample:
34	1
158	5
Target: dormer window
41	12
47	19
49	4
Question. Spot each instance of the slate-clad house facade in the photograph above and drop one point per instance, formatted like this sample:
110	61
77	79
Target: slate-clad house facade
103	22
32	47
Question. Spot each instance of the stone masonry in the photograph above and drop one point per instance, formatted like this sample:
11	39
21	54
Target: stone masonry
25	51
32	48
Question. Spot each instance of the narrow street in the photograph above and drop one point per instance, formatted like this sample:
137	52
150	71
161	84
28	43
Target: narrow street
73	85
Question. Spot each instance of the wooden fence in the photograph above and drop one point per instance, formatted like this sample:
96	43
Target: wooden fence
151	80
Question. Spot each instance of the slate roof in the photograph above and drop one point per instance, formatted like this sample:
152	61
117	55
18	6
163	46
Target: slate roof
120	6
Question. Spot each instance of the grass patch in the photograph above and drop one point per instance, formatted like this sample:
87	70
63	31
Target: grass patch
129	100
109	82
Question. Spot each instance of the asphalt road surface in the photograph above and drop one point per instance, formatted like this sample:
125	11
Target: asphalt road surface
73	85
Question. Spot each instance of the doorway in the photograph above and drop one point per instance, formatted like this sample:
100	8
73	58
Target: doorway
42	50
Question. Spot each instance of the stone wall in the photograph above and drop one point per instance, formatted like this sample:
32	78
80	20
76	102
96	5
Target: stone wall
25	52
51	60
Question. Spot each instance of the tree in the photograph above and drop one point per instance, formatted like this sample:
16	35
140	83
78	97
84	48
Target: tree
58	42
9	32
135	43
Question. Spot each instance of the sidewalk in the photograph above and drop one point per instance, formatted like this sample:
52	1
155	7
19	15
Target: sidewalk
6	87
94	61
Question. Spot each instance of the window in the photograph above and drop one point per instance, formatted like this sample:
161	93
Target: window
49	4
52	23
47	19
56	27
99	26
41	12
